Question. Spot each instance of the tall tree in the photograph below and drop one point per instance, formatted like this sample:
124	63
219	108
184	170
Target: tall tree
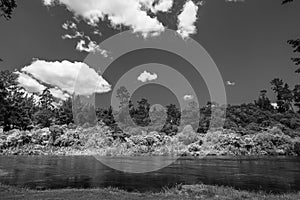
15	104
296	93
295	43
64	112
263	101
284	95
47	100
141	115
45	115
173	120
124	96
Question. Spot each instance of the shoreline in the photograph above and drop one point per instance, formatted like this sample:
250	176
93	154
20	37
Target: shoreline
177	193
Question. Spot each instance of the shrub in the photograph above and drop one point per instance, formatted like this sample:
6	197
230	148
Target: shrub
188	135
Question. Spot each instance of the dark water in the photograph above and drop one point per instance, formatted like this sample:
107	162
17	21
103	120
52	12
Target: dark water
275	175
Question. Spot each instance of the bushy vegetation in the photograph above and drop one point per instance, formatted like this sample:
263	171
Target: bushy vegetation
100	140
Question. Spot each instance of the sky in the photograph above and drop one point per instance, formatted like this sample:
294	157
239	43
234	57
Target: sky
47	43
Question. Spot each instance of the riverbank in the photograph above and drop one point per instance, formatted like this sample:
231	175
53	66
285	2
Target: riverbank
100	140
204	192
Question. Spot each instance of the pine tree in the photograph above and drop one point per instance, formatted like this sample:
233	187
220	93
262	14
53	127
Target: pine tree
46	113
15	105
64	113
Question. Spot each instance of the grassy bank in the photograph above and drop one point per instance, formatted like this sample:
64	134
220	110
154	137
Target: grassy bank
179	193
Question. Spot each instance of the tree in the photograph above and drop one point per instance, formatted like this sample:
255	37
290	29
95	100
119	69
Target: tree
64	113
191	115
47	100
7	7
21	110
45	114
124	96
16	107
173	120
284	95
286	1
84	111
140	115
295	43
123	114
263	101
296	92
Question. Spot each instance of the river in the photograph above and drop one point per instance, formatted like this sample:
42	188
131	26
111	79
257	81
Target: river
270	174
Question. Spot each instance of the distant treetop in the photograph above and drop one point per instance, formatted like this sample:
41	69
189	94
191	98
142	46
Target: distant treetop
6	8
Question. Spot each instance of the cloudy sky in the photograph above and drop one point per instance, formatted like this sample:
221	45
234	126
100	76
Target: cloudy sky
48	42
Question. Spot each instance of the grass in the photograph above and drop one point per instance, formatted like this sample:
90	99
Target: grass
181	192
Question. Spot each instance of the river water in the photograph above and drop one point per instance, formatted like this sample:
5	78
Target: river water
270	174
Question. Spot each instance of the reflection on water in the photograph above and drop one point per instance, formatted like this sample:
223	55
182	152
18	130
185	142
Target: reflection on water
268	174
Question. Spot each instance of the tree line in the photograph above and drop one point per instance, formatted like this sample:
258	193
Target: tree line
21	110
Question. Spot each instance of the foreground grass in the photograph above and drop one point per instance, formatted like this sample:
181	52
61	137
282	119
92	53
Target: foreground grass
179	193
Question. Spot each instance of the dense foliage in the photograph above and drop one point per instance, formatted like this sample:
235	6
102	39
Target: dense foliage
7	7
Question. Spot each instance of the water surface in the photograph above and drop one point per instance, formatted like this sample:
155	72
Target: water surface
276	174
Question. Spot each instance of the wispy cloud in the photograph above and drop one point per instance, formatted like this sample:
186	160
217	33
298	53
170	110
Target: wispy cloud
230	83
235	1
188	97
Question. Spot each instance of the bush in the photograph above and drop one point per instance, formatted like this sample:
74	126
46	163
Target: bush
188	135
297	147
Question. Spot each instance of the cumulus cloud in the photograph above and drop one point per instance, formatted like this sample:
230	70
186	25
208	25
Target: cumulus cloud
230	83
187	19
29	84
58	93
163	6
155	6
118	12
64	75
33	87
147	76
188	97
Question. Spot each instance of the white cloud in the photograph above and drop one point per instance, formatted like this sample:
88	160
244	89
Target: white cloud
82	45
30	84
235	1
188	97
33	87
75	35
90	47
119	12
157	5
163	5
230	83
147	76
187	19
63	76
69	25
56	92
